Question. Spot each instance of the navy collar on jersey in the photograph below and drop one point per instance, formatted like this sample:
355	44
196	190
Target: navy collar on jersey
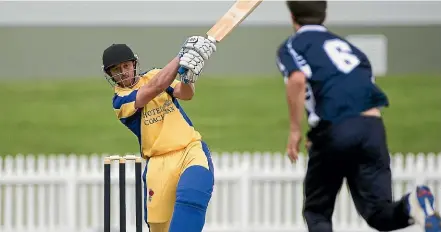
305	28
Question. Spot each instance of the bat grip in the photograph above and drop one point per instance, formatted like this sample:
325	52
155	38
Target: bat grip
182	70
212	39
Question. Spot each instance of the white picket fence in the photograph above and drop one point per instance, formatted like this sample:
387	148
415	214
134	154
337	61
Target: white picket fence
253	192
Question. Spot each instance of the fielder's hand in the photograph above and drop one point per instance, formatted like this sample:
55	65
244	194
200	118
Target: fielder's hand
293	147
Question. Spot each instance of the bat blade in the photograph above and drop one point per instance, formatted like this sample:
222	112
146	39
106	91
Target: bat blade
234	16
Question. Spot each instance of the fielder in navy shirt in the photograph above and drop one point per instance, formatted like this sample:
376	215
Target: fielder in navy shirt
333	80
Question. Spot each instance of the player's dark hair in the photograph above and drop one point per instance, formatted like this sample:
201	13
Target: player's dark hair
308	12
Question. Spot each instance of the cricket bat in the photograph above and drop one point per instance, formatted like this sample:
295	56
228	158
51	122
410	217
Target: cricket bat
230	20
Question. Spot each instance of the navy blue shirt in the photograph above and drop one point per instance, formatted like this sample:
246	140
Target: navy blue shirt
340	82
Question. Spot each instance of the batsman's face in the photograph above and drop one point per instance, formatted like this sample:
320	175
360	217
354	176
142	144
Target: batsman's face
124	73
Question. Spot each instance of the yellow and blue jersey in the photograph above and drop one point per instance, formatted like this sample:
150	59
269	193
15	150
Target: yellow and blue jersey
161	126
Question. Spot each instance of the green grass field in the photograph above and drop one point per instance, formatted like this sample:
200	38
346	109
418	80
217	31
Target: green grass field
234	114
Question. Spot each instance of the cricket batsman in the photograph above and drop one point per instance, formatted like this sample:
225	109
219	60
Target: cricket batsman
333	80
178	178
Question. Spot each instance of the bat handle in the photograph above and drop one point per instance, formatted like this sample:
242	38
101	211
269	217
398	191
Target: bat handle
182	70
212	39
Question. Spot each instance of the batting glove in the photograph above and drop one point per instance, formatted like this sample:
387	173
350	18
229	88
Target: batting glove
204	46
192	64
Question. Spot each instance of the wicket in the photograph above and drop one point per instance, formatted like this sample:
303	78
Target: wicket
122	191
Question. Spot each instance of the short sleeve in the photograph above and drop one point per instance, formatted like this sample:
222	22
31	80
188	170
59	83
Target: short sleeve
174	83
172	87
290	59
286	60
124	104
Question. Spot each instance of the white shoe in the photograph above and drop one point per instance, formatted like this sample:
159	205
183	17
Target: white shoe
422	210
